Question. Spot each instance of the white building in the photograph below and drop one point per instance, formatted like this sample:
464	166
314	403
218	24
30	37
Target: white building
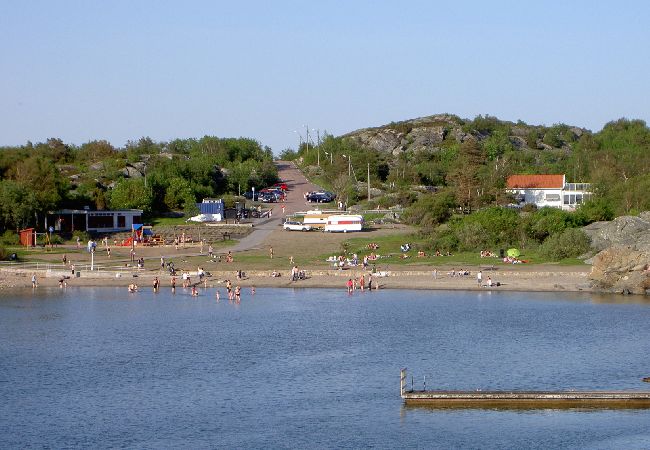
548	190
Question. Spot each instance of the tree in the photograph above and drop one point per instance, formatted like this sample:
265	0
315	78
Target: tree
131	194
177	192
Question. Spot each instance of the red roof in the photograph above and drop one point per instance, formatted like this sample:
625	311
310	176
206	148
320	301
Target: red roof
535	181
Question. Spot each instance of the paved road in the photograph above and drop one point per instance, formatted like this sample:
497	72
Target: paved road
294	202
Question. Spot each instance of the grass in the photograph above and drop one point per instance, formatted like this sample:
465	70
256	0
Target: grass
169	221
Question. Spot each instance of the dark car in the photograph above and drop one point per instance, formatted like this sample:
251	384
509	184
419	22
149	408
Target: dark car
320	197
250	195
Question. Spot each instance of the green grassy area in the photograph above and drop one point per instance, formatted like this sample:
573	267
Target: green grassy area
170	221
390	253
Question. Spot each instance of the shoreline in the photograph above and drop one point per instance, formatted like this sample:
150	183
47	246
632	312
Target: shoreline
509	280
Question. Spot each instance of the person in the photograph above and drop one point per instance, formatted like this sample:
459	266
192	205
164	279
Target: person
195	292
78	242
210	251
271	252
479	278
173	284
156	284
162	262
291	259
489	282
237	294
108	251
133	287
72	268
370	282
217	295
64	259
33	280
252	290
229	257
229	290
349	284
362	282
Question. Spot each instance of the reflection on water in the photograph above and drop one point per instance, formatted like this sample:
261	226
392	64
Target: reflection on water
312	368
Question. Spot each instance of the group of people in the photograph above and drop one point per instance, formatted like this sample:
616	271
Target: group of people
233	292
459	273
360	283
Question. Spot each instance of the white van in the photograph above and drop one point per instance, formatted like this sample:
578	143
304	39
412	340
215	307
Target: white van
344	223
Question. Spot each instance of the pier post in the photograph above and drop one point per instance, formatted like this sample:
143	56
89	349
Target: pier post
402	382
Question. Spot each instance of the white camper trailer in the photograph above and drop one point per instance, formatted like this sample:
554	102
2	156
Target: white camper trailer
316	219
344	223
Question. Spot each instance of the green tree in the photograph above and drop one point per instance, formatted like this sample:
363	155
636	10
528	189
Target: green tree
131	194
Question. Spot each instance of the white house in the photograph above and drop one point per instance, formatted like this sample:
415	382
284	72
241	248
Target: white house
548	190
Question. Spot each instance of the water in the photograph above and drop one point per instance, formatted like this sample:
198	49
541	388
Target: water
99	368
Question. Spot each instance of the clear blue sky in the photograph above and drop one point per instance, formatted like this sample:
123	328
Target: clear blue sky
120	70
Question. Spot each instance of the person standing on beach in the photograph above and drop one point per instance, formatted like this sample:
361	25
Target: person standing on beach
479	278
370	282
349	284
33	281
362	282
271	252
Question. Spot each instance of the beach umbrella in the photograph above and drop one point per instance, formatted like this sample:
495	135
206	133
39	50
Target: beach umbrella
513	252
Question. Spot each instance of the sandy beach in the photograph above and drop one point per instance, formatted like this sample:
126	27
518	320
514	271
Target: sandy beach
570	279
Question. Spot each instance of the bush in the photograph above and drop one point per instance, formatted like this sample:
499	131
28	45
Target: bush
82	235
570	243
4	254
10	238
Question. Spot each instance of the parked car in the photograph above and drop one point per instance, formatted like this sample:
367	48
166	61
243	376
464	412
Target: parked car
320	197
249	195
291	225
268	197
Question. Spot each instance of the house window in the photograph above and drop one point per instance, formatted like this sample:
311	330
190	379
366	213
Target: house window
552	197
121	221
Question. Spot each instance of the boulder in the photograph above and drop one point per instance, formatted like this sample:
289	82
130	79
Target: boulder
621	269
622	231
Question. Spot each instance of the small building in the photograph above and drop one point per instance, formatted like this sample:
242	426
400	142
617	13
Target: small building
27	237
548	190
210	210
69	220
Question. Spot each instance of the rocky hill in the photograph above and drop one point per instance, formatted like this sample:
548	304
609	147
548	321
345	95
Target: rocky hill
430	133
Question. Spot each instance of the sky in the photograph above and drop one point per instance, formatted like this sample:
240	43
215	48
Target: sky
270	70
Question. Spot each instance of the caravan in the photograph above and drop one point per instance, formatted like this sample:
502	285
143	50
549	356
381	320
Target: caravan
344	223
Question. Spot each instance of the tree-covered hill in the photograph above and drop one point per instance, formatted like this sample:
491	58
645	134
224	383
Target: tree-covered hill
470	160
153	176
439	168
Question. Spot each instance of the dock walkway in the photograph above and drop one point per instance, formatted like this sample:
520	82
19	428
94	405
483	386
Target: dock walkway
524	399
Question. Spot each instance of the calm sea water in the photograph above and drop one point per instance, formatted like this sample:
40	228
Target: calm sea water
99	368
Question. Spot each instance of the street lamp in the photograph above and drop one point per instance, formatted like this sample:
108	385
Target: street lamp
349	165
299	139
331	155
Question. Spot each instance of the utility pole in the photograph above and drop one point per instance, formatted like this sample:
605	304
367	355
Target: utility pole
368	181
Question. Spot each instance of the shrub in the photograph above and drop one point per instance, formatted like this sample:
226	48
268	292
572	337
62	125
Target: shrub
10	238
82	235
4	254
570	243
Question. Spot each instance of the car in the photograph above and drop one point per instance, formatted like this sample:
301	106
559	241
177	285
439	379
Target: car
291	225
320	197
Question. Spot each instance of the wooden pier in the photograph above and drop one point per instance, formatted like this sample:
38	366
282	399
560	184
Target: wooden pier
523	399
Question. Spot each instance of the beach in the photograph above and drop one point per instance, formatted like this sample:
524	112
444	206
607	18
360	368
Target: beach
542	279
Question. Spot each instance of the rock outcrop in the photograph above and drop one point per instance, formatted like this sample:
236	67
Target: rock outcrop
623	263
428	134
